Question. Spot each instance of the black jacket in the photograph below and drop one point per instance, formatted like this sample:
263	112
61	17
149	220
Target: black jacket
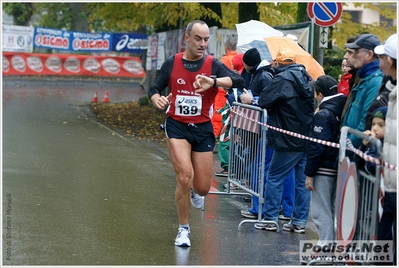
289	103
379	101
255	80
261	76
322	159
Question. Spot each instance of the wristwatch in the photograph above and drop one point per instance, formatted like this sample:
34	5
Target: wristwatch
214	77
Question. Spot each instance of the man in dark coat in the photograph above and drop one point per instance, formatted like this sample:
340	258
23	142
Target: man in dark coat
289	103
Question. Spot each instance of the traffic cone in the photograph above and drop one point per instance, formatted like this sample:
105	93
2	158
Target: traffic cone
95	97
106	97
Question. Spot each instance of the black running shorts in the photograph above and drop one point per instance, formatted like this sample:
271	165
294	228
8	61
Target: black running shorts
200	136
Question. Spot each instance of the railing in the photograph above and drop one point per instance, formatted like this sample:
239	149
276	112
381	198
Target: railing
247	154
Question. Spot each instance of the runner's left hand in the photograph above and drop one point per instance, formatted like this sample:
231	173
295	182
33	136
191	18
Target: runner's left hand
202	83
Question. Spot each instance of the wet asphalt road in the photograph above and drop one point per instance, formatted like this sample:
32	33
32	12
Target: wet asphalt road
77	192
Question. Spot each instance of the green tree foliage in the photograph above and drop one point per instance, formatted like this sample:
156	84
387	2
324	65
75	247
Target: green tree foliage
167	16
54	15
346	27
229	14
278	13
270	13
332	61
61	15
21	12
135	15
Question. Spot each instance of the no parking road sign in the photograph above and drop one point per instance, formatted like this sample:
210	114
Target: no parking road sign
325	13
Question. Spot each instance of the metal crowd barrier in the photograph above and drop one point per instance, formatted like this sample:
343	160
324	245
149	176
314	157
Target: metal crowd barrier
357	198
368	190
248	139
358	194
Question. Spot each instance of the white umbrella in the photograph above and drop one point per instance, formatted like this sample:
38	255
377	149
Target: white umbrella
253	30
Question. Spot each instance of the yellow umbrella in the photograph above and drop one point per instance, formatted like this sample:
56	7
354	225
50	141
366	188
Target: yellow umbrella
302	56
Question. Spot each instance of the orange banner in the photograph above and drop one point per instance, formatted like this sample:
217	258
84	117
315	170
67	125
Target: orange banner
69	64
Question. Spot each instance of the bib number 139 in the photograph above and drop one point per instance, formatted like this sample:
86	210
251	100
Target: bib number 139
188	105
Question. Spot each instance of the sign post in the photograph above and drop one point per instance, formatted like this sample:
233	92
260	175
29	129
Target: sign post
323	40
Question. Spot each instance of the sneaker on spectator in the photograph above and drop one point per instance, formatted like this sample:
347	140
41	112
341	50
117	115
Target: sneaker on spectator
183	238
196	200
223	173
282	217
289	227
266	226
232	186
249	215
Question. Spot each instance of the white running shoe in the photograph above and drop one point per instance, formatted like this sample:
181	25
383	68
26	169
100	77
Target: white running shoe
183	238
196	200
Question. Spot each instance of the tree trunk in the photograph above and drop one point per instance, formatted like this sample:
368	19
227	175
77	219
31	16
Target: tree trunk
302	15
247	11
80	23
217	8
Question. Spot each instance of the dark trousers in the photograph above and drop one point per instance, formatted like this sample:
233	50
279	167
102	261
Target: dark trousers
387	225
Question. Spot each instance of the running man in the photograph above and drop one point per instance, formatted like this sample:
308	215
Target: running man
193	79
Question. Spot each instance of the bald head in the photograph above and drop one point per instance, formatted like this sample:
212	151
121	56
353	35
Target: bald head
189	27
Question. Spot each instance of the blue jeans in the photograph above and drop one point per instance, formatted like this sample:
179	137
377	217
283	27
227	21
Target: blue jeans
280	166
288	197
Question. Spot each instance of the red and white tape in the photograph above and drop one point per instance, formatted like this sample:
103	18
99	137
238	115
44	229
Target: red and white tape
327	143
